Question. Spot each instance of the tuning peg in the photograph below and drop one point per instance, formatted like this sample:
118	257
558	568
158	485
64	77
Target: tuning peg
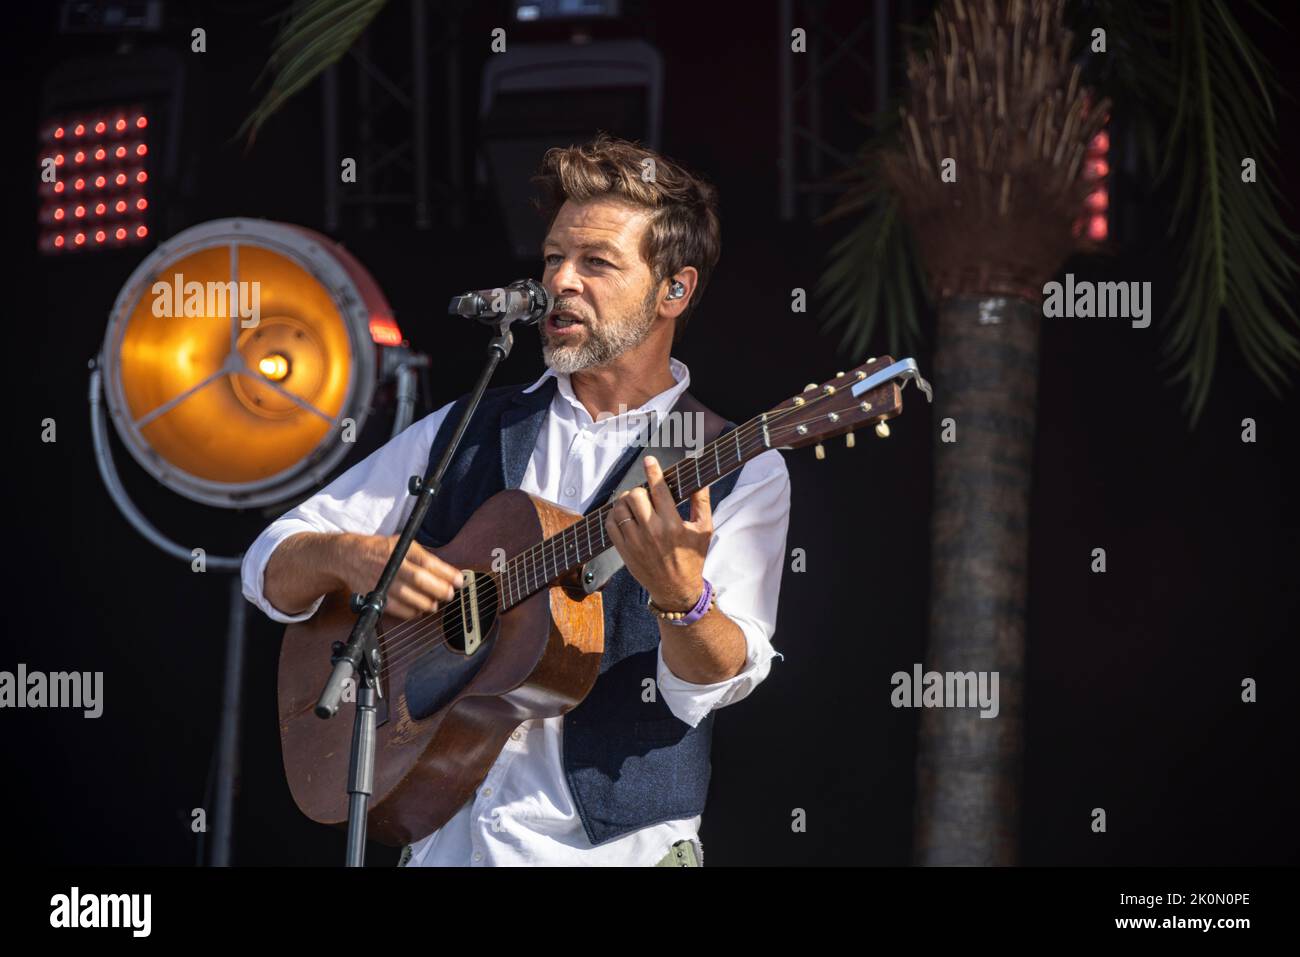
839	375
882	429
810	387
848	441
821	452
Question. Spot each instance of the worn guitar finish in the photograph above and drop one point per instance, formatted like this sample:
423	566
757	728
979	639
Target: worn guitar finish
520	643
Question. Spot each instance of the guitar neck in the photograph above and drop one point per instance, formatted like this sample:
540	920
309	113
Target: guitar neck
568	550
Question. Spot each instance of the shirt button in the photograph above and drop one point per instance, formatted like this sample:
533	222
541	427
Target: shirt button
487	792
570	491
516	735
478	856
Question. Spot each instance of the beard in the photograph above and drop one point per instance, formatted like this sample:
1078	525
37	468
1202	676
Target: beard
601	343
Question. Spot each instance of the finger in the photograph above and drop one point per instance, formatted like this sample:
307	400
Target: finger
660	494
615	522
444	570
638	503
413	598
702	510
399	610
427	582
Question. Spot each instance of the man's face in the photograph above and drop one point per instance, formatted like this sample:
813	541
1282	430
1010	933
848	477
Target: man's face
605	294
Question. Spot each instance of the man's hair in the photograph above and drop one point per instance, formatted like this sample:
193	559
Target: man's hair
683	228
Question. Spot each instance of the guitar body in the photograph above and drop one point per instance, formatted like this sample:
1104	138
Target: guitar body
446	712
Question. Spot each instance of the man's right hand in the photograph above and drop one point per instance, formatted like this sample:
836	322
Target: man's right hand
422	584
307	565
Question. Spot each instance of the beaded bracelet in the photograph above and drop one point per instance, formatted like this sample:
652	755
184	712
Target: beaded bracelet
683	618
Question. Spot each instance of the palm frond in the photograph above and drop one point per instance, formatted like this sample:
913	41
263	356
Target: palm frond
1239	257
873	274
315	35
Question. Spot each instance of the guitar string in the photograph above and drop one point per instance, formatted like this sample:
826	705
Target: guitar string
401	640
528	556
527	559
405	647
399	643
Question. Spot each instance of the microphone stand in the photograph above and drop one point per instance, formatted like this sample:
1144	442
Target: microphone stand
360	656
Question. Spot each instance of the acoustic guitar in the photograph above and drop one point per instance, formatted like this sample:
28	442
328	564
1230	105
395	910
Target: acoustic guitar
520	642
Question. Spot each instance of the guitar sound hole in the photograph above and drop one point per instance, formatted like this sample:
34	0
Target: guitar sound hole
438	674
457	618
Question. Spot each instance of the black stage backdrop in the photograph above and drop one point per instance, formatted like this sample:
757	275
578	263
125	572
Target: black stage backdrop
1133	676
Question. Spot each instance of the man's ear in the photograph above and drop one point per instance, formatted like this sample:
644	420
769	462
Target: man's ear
677	291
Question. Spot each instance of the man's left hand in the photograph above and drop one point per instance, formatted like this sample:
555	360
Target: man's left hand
661	551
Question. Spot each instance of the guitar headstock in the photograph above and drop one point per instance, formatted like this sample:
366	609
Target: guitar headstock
824	411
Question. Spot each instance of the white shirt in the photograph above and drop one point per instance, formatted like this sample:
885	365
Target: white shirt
523	812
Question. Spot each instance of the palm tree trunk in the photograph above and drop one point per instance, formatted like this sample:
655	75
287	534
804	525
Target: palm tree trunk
969	767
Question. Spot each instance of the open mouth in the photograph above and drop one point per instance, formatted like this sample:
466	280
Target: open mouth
561	322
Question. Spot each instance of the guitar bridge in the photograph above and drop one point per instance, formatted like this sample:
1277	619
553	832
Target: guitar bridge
471	627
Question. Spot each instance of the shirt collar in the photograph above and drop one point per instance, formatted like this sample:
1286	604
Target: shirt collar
660	403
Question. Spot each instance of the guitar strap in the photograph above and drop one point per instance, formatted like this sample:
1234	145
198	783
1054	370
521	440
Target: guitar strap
659	444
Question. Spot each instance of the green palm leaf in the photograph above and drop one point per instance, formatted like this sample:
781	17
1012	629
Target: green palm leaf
873	273
314	36
1238	257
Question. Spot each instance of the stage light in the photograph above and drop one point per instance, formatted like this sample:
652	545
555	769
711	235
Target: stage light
1095	219
102	168
526	106
243	408
275	367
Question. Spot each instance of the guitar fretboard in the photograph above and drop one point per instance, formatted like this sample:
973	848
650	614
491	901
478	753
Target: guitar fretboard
567	550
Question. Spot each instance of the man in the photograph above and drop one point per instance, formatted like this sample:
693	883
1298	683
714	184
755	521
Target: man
621	779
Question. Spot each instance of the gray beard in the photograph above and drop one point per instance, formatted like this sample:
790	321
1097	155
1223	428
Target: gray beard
601	344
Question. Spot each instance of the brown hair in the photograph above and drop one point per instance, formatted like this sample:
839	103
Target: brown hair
683	228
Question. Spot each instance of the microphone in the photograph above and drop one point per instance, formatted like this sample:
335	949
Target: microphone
524	301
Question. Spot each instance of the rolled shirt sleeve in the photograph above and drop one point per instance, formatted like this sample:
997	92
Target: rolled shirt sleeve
370	498
745	561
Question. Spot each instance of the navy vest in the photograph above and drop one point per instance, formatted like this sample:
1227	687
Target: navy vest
630	763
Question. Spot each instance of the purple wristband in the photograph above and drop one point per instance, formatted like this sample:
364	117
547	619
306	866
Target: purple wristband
701	607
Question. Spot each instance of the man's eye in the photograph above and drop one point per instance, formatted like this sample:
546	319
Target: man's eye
549	259
598	261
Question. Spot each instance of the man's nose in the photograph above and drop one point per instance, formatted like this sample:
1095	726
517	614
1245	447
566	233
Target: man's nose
565	280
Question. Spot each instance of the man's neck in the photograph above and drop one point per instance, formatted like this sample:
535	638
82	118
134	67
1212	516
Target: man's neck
627	383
